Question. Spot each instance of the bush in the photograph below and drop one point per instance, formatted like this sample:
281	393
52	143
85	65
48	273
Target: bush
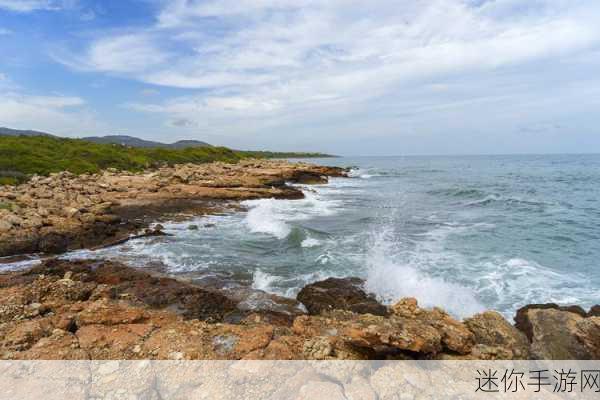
23	156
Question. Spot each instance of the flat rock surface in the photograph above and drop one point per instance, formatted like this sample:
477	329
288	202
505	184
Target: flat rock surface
64	211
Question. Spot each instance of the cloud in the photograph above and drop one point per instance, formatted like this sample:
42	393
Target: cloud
25	6
251	65
132	53
65	115
4	31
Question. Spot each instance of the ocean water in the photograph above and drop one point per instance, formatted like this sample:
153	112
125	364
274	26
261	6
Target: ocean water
464	233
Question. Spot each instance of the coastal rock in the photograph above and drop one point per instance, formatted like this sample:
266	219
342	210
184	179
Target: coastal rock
375	335
455	336
557	334
496	338
63	211
340	294
523	323
594	311
104	310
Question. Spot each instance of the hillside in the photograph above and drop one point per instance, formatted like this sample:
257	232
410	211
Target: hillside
23	156
132	141
18	132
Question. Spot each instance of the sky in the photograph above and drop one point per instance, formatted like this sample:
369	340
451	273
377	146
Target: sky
348	77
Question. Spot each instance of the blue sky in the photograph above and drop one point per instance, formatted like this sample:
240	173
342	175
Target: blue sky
342	76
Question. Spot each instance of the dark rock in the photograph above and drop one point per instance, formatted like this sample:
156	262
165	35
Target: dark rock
53	243
594	311
155	291
340	294
308	178
193	227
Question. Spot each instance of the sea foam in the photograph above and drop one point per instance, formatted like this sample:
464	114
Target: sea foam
392	280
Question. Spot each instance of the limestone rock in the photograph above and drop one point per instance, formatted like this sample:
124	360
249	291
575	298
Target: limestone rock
496	338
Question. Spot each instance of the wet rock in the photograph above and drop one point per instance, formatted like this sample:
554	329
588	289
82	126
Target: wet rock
64	211
53	243
594	311
341	294
192	227
495	338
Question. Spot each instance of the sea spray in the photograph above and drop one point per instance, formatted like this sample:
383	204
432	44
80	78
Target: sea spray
392	280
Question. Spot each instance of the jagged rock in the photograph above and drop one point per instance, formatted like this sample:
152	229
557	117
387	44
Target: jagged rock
374	334
557	334
455	336
64	211
522	320
340	294
53	243
495	338
594	311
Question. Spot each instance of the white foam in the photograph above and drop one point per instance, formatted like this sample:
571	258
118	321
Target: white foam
263	217
310	242
272	216
263	281
392	280
18	265
359	173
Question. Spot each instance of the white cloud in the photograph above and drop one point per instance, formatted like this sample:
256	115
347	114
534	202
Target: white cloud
265	63
25	6
4	31
63	115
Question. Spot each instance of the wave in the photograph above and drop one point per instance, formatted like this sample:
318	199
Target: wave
359	173
391	280
263	217
458	192
273	217
310	242
510	201
514	282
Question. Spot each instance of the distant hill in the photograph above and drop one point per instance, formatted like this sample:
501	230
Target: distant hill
131	141
124	140
22	156
18	132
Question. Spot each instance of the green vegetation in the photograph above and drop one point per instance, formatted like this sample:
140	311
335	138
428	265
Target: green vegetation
23	156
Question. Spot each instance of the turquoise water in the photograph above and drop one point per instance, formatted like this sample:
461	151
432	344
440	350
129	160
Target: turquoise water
463	233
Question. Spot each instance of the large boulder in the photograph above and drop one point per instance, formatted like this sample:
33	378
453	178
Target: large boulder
340	294
496	338
375	336
455	336
594	311
558	334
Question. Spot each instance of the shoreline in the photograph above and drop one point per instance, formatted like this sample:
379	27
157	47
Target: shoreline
64	212
99	309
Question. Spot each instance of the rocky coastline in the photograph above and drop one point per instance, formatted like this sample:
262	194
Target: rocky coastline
98	309
64	211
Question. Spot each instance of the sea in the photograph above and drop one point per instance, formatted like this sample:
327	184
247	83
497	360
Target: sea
464	233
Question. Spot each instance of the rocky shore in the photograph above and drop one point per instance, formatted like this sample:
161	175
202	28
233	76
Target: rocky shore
104	310
97	309
64	212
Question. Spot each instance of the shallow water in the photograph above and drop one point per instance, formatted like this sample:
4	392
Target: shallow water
463	233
